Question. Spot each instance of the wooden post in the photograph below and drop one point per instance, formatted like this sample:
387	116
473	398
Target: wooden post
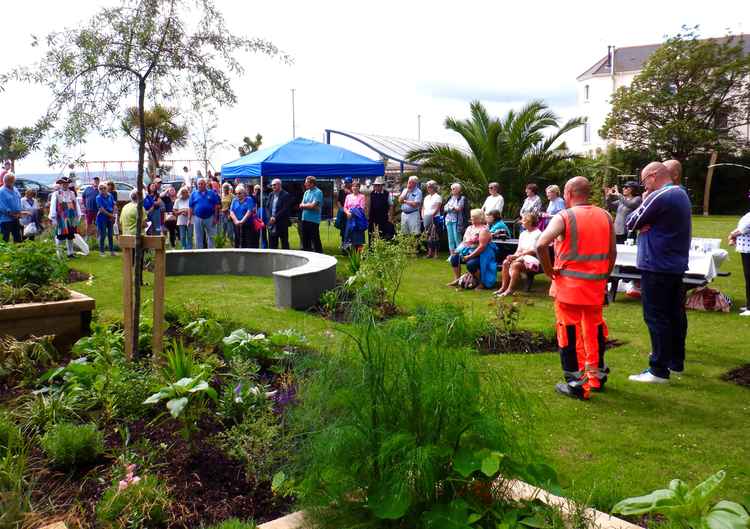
709	177
160	266
127	298
150	242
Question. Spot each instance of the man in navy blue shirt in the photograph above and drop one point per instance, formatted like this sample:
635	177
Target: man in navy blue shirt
204	206
89	204
663	252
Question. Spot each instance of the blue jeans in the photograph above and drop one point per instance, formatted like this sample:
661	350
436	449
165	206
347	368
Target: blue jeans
663	299
186	236
104	227
205	230
227	226
454	239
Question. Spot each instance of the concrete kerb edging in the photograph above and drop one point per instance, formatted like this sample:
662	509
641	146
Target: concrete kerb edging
518	490
300	277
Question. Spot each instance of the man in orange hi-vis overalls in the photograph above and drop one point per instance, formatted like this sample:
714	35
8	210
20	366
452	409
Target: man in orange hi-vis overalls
585	253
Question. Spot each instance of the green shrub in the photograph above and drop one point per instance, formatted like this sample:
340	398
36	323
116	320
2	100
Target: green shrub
233	523
72	445
31	263
409	404
208	332
258	443
10	435
141	505
124	389
241	400
15	490
180	362
40	412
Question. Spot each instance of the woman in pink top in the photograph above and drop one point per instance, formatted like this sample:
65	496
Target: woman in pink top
476	239
356	223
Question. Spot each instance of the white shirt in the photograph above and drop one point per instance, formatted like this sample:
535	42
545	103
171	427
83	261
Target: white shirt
742	243
188	180
430	203
527	241
66	196
494	203
182	203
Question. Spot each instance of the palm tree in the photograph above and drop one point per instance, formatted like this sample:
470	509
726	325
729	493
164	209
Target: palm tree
511	151
163	134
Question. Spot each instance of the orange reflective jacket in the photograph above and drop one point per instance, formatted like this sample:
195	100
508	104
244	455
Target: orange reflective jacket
582	257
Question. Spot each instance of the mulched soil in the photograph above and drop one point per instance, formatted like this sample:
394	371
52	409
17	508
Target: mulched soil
738	375
75	276
205	485
515	342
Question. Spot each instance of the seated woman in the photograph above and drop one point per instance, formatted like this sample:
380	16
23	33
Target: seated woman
499	231
476	240
524	260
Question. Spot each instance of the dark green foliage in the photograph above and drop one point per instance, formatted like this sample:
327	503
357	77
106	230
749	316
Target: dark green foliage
258	443
70	446
10	435
233	523
123	391
40	412
240	400
391	418
141	505
15	490
31	263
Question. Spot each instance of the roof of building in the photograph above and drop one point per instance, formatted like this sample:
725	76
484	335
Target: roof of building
632	58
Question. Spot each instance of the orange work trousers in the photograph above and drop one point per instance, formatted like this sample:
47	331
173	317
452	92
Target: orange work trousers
581	335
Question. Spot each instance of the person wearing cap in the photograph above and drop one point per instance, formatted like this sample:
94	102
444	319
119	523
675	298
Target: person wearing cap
279	207
380	205
411	200
623	204
89	206
65	214
10	209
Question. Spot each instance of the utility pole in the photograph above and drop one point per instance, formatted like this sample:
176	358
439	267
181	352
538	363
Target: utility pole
419	127
294	127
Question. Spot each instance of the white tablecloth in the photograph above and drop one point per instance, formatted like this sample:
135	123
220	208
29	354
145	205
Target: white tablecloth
701	263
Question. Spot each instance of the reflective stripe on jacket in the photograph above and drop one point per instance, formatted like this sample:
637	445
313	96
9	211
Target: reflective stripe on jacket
582	257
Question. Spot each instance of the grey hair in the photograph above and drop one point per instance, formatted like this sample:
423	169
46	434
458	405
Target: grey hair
226	186
199	180
456	185
432	183
413	178
183	188
275	180
553	189
240	189
134	195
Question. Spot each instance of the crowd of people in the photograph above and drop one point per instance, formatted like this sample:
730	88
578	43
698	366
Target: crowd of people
571	241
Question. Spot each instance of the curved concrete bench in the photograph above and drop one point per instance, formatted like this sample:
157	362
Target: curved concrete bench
300	277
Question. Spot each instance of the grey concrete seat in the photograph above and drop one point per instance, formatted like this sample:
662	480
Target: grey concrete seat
300	277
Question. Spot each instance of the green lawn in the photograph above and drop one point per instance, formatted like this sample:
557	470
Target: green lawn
628	440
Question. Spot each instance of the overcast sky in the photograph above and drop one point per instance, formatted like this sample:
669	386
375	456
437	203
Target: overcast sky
374	66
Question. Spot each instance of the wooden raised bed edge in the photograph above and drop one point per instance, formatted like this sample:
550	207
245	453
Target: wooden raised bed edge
68	319
519	490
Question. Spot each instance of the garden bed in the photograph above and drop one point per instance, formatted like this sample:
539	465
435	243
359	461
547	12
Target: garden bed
516	342
739	375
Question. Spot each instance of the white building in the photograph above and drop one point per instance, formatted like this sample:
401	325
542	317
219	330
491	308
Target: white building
596	85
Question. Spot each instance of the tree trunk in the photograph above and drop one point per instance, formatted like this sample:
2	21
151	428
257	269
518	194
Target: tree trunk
138	280
709	178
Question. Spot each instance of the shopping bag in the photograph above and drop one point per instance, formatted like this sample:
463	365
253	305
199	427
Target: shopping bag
80	242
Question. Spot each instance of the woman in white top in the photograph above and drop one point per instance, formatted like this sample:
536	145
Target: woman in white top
430	208
494	202
181	209
525	259
30	204
740	239
65	214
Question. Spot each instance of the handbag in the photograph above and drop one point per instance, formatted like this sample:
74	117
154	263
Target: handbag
30	230
258	224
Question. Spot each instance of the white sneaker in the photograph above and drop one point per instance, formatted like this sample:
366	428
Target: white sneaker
745	313
102	254
648	377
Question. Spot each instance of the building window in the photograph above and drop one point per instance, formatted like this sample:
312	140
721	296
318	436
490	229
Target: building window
586	93
586	132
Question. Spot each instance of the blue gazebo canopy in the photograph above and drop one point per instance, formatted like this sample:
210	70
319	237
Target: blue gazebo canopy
300	158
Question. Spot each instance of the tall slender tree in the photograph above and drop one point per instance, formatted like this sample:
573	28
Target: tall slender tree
170	49
511	151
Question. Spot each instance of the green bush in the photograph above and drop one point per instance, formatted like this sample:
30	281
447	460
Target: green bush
40	412
124	389
71	445
10	435
396	428
233	523
141	505
257	442
241	400
31	263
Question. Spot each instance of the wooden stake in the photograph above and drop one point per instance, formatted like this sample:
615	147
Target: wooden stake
127	299
709	177
160	267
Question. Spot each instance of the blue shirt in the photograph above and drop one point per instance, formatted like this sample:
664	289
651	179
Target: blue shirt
312	195
204	204
10	202
108	204
89	198
240	209
415	195
665	246
555	206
